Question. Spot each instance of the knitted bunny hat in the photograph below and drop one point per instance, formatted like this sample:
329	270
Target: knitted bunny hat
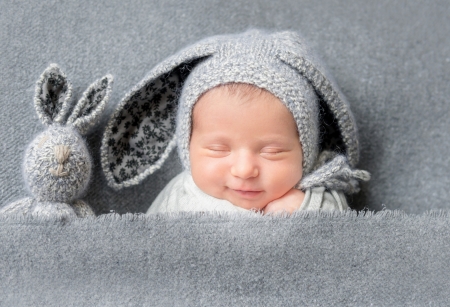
157	113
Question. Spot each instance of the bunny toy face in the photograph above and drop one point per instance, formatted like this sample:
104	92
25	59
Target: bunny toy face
57	165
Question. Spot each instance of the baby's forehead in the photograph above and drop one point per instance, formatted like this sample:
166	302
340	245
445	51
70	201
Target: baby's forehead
244	102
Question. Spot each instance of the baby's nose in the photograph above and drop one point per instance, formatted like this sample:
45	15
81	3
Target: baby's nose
244	167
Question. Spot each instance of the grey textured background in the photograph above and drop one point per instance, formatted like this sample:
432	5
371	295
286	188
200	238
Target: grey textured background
391	59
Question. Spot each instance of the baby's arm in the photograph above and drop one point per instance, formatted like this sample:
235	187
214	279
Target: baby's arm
289	202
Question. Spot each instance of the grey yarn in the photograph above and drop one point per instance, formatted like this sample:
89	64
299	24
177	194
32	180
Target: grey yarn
256	62
32	207
334	175
57	166
29	206
154	117
40	158
264	71
53	83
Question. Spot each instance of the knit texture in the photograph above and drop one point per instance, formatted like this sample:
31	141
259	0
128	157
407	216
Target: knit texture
52	95
31	207
57	167
335	175
141	133
41	164
252	60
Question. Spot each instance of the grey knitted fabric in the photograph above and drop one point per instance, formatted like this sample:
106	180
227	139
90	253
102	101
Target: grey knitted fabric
30	206
334	174
57	166
41	165
252	62
141	132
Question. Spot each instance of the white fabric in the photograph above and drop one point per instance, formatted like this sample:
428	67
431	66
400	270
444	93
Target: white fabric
182	194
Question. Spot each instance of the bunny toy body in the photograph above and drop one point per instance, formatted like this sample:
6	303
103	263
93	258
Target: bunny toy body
57	166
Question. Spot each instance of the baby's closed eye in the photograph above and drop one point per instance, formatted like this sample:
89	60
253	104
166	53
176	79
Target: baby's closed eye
267	152
217	150
273	152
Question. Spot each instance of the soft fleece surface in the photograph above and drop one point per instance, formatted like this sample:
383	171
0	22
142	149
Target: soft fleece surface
391	59
387	259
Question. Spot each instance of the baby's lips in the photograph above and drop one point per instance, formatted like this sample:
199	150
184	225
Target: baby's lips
247	193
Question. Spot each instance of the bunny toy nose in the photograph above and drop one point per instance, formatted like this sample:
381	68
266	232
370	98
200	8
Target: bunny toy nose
62	153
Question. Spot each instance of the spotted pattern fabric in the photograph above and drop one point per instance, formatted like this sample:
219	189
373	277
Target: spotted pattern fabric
94	97
144	127
52	94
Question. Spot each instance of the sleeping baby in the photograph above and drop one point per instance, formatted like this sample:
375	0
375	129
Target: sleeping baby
258	121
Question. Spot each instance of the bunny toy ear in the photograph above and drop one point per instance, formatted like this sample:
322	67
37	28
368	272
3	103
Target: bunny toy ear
140	133
91	105
339	128
52	95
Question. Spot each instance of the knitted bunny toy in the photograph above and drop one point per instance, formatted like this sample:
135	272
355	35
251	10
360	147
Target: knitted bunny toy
57	166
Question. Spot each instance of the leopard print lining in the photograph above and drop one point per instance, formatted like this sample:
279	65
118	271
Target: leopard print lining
144	127
91	105
52	94
94	97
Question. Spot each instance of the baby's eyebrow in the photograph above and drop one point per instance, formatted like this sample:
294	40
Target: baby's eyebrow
275	139
215	137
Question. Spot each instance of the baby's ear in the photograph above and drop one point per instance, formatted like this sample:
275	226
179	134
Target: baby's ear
52	95
141	132
91	105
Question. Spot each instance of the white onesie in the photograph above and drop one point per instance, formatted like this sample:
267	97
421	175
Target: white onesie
182	194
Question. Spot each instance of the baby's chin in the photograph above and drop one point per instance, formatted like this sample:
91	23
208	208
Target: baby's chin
257	207
249	204
255	201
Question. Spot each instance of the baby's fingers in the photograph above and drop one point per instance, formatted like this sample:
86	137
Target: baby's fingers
289	202
278	206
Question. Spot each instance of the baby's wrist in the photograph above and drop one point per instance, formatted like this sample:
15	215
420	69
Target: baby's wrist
289	202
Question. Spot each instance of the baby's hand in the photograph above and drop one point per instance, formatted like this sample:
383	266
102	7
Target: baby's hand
289	202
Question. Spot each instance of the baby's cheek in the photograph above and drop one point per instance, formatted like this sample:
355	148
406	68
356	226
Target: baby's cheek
282	178
208	174
208	166
294	173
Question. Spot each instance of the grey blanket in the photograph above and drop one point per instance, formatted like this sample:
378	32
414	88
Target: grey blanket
390	58
387	259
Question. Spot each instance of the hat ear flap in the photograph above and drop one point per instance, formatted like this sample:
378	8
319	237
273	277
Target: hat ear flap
338	128
141	132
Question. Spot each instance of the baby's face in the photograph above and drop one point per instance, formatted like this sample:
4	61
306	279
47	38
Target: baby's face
244	149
